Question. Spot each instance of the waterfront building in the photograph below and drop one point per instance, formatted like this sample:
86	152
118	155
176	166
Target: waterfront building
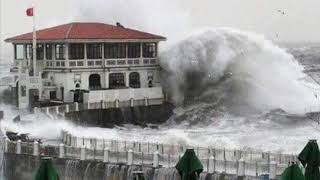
87	62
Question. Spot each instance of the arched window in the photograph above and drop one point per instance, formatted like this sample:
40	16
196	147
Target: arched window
134	80
94	81
116	81
78	86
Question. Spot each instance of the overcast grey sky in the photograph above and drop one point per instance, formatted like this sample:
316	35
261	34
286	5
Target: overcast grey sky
172	18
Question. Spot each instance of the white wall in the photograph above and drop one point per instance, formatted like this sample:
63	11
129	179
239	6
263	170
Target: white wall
68	81
126	94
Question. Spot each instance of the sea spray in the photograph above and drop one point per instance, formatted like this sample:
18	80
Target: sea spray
245	55
255	72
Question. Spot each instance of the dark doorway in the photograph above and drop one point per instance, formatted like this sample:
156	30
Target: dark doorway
94	81
62	93
78	96
134	80
34	97
116	81
17	93
53	95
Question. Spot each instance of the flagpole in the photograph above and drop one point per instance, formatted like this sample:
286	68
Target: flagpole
1	55
1	51
34	44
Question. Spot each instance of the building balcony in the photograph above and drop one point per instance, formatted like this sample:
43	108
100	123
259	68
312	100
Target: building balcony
100	63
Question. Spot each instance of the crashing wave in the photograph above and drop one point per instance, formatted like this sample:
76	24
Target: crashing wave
241	71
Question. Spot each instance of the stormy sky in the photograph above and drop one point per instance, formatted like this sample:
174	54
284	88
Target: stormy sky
278	20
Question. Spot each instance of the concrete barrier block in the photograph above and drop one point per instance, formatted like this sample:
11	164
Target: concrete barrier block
106	153
117	103
61	151
273	170
156	159
146	101
83	153
77	106
67	108
241	168
35	148
6	144
18	147
212	165
130	157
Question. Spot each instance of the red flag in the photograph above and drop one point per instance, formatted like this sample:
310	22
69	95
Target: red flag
29	12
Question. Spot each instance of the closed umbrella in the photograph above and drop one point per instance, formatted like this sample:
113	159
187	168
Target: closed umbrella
189	166
46	171
310	159
293	172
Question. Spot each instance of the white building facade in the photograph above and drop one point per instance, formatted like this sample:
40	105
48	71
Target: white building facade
87	62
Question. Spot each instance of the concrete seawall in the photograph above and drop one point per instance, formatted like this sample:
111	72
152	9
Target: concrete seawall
21	159
140	115
109	114
23	167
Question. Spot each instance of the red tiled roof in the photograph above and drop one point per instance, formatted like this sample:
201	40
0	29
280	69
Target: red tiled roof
86	31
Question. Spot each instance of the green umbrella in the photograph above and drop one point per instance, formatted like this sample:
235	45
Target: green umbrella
46	171
293	172
310	157
189	166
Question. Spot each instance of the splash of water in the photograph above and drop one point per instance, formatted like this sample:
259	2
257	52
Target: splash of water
257	67
238	69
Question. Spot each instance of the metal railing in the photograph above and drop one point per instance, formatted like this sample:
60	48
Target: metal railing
151	159
176	150
88	63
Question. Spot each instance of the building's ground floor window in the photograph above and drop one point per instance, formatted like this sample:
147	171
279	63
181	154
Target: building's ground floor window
134	80
116	81
53	95
94	81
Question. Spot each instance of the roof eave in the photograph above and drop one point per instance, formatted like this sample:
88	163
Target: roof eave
84	40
